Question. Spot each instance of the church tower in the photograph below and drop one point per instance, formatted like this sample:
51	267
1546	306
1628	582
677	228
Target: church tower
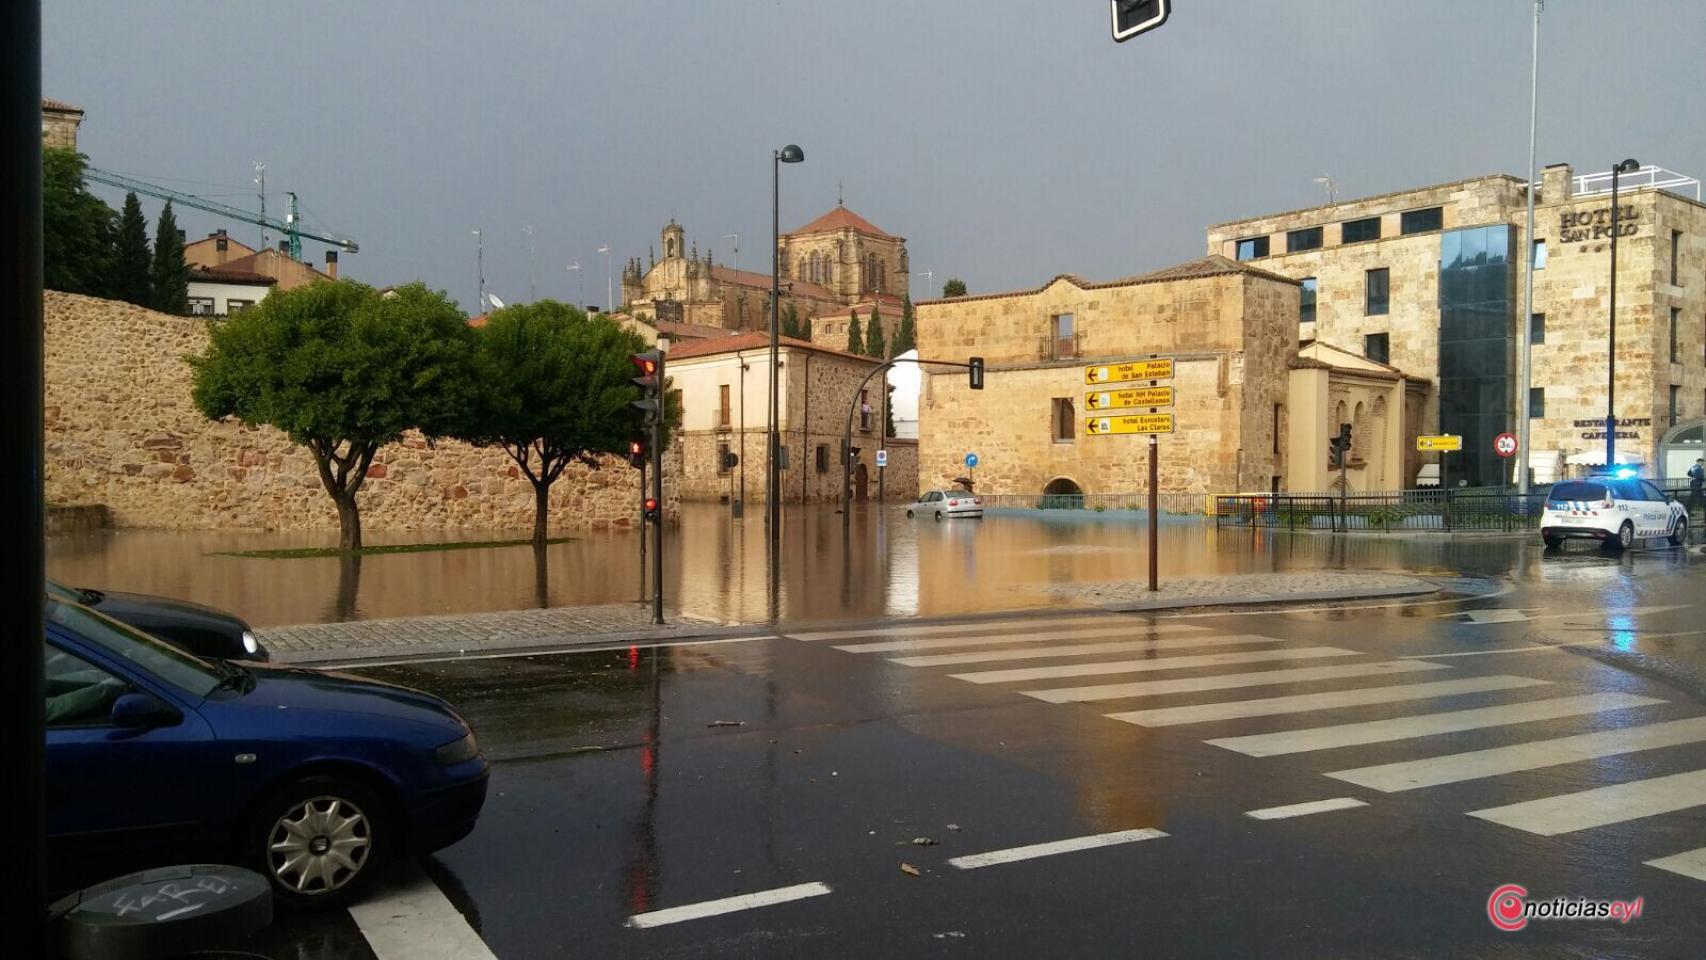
674	240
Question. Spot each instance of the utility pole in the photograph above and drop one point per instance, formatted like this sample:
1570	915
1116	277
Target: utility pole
531	294
609	285
1525	323
261	182
1622	167
480	261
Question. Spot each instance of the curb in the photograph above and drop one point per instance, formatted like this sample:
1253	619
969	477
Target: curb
356	657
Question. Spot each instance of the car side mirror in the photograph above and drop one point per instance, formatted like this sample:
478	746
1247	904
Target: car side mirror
143	711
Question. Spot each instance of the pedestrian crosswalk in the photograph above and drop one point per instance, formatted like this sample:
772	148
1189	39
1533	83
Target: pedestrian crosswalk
1156	674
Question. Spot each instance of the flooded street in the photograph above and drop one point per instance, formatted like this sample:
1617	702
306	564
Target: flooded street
715	566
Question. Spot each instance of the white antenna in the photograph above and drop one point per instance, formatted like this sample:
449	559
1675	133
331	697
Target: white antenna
1332	192
736	238
575	268
261	181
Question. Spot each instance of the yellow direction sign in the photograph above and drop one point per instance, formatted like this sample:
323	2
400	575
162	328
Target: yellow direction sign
1130	423
1156	368
1446	443
1128	398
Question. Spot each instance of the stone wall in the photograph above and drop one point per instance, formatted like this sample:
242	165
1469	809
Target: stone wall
121	431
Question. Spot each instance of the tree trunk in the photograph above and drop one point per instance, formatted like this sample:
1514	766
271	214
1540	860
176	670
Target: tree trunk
541	507
349	524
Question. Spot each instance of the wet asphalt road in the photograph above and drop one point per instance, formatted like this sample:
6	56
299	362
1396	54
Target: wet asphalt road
619	792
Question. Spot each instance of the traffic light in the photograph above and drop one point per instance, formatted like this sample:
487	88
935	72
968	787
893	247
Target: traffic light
731	460
975	369
651	510
651	405
1339	447
1132	17
637	454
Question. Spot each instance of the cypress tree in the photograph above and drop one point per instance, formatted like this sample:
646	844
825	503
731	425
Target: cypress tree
874	345
806	326
133	264
171	281
790	320
906	337
855	340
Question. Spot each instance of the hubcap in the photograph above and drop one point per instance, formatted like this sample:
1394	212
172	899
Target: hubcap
319	845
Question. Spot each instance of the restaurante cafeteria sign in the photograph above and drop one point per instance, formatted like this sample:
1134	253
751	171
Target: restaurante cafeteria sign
1595	429
1582	225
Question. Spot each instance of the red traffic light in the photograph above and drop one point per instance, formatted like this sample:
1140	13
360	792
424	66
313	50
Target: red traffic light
636	448
651	504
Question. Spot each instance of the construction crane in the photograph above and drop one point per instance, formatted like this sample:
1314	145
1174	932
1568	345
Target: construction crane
291	226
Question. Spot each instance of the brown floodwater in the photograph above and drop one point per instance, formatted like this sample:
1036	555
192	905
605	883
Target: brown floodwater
715	566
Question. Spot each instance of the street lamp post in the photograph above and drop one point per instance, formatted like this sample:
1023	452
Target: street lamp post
772	481
1627	166
1525	322
580	279
609	285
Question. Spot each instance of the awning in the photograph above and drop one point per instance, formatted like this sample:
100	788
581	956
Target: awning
1595	458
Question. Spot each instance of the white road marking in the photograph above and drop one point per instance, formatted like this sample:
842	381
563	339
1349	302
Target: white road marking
1307	702
1073	845
1531	648
1080	649
1568	812
1689	864
996	626
526	652
714	908
1457	767
1152	664
983	640
1496	615
413	920
1227	681
1427	724
1303	809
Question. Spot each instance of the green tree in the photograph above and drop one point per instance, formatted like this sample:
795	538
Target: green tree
132	273
342	371
874	345
955	287
806	326
171	280
855	339
77	228
888	412
554	388
906	336
790	320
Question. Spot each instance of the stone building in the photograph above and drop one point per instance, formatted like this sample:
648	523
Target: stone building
724	384
837	264
121	432
59	123
1428	282
1230	328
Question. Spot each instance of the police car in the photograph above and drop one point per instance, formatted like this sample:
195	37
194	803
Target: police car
1615	510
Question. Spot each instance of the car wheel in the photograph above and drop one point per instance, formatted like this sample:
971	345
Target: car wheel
1553	543
909	514
1625	537
1679	536
938	515
321	841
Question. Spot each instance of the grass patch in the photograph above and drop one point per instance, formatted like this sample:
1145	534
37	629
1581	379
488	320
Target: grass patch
301	553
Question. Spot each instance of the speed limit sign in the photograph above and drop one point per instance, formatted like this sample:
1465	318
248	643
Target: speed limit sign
1505	445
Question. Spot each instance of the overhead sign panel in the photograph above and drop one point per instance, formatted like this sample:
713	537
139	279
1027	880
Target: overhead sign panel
1129	423
1155	368
1445	443
1129	398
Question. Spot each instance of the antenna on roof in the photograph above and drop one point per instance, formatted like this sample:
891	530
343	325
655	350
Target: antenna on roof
839	194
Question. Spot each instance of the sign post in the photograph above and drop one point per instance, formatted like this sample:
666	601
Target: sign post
1135	409
1442	444
971	472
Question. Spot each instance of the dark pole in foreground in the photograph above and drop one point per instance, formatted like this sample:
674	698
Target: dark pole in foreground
1627	166
642	531
657	486
21	383
1154	510
772	465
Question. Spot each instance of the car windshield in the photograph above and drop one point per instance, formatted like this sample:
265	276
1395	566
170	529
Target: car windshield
1577	490
167	663
60	591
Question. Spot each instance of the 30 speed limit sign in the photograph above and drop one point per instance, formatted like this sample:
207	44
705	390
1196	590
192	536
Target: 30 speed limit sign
1505	445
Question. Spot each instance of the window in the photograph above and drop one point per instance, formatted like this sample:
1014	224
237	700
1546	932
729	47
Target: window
1065	419
1421	221
238	306
1252	247
1377	288
1536	402
823	458
201	306
1358	231
78	692
1309	238
1064	337
1377	347
1539	254
1675	325
1675	257
723	418
1536	328
1306	301
722	458
1675	403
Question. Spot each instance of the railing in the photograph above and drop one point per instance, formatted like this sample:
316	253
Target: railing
1475	508
1175	504
1657	178
1059	348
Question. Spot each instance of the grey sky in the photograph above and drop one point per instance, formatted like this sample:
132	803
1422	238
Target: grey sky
1008	140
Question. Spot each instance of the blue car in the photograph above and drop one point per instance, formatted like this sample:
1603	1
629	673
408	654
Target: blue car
316	780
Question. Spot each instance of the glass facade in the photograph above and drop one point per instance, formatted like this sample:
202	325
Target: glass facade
1477	284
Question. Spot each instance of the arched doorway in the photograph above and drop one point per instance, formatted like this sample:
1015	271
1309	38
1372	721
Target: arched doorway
1682	445
861	482
1062	493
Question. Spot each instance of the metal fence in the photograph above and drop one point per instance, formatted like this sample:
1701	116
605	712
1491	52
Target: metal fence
1176	504
1487	509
